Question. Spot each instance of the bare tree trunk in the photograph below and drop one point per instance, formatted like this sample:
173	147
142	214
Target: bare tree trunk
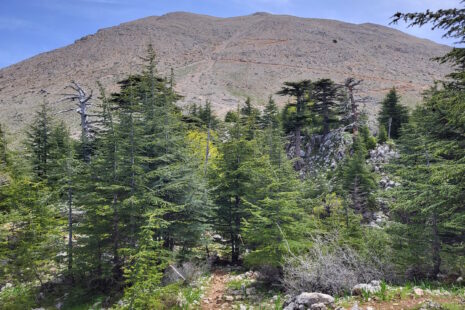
83	102
207	151
350	85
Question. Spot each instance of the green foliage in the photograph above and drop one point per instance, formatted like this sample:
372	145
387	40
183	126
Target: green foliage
38	142
368	140
327	100
149	197
392	114
382	134
205	115
30	231
428	205
3	146
358	181
17	297
451	20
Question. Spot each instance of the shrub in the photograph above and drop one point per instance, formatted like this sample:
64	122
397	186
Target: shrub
190	271
17	297
269	275
328	268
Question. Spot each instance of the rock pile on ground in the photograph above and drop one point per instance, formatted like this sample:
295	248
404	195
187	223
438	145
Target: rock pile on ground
430	305
314	301
382	154
372	287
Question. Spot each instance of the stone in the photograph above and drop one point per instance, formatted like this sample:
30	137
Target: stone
459	280
242	307
372	287
228	298
250	290
430	305
290	306
309	299
370	308
235	292
6	286
418	291
355	307
318	306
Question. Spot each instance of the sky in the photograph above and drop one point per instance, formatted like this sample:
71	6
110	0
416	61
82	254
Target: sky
30	27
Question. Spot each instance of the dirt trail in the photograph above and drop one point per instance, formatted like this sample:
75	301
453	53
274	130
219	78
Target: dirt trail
214	296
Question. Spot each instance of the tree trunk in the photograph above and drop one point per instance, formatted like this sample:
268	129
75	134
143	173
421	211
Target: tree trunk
207	151
70	227
236	230
116	260
298	141
325	121
389	127
436	247
353	105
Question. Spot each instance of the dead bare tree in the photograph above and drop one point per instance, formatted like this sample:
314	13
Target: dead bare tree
83	102
351	87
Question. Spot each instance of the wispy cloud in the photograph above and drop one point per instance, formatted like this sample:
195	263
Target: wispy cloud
11	23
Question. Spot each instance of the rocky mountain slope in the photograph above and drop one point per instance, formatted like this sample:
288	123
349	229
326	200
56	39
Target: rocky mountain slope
224	60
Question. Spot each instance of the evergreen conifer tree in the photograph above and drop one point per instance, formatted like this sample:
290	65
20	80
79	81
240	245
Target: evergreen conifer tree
392	114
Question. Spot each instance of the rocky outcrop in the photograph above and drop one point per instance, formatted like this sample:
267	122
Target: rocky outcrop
382	154
317	301
320	153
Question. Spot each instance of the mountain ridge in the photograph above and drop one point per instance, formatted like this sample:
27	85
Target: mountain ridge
226	59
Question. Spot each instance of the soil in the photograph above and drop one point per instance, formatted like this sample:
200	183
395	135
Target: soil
214	296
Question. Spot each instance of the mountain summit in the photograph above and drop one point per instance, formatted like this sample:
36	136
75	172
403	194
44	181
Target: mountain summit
225	59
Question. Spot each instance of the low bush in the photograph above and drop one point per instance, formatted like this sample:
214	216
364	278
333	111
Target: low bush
17	297
329	268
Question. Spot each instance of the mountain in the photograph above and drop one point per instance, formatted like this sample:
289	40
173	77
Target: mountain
224	60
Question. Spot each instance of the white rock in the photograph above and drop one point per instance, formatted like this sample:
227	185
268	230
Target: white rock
370	288
309	299
418	291
228	298
318	306
250	290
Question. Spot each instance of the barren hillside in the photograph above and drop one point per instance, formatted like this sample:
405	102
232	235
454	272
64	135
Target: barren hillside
225	59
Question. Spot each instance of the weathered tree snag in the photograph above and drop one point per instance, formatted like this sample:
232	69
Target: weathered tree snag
351	84
83	102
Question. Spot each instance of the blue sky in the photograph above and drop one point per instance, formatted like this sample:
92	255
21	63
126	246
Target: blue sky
29	27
